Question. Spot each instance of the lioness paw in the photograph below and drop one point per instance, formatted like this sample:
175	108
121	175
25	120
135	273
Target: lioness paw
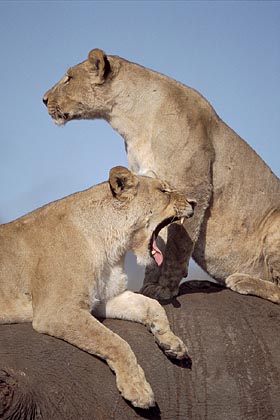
172	346
143	397
241	283
248	285
136	389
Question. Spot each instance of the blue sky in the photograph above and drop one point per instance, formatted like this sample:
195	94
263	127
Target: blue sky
228	51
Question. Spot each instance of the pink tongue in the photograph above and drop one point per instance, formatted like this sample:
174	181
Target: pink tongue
158	255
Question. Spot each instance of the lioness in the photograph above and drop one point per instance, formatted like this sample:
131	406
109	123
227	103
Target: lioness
170	130
64	260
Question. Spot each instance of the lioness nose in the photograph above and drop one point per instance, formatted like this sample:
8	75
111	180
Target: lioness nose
45	100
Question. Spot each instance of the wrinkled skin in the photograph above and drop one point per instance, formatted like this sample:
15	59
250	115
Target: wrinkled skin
171	131
65	261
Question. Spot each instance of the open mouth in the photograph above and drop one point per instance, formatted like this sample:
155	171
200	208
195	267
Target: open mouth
155	252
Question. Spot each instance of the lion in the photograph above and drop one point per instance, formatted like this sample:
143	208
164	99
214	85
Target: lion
64	262
172	132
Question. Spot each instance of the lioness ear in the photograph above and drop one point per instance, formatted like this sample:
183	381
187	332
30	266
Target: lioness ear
99	65
123	183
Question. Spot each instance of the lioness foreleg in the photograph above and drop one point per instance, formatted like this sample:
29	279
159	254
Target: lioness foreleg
163	282
80	328
136	307
14	311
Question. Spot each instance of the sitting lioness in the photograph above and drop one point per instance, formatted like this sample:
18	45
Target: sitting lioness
65	260
171	131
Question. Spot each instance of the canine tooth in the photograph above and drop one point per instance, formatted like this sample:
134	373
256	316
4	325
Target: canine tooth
182	220
154	252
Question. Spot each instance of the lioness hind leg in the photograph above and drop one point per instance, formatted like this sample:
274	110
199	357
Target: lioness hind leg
136	307
249	285
81	329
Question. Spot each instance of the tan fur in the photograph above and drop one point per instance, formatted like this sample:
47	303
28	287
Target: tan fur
65	260
170	130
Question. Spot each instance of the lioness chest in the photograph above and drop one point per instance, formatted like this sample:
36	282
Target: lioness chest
111	282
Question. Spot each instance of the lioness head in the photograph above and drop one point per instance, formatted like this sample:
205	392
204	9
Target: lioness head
81	93
150	206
